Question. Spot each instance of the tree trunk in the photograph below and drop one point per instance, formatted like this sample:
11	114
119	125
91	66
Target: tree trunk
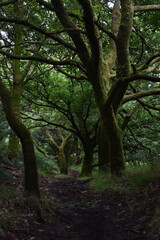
16	88
103	147
60	150
30	167
87	161
115	144
13	147
63	165
77	149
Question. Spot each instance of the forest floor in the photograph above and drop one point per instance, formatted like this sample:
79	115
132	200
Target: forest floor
81	213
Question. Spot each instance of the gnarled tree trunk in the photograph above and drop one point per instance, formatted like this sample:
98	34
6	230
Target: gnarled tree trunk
61	157
87	160
13	146
115	144
103	147
30	167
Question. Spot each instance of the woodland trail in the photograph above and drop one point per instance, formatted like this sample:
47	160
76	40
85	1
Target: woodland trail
85	214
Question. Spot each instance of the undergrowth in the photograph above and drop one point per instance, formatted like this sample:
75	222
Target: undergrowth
61	176
134	177
17	211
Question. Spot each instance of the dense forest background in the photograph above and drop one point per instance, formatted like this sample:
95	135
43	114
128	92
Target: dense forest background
79	90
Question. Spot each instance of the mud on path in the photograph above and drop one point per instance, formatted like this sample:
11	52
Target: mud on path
85	214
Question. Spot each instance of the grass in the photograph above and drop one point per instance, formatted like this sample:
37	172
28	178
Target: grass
141	174
61	176
103	182
134	177
87	178
75	167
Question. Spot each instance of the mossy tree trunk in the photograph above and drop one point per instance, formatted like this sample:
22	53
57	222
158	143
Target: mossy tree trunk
13	147
30	167
108	94
87	163
60	150
16	87
20	73
62	161
103	147
115	144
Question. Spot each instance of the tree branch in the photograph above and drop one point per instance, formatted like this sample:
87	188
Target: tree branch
82	77
137	77
90	27
49	123
147	8
39	148
40	59
142	94
45	4
103	29
128	117
123	55
146	105
118	85
67	23
40	30
7	3
51	139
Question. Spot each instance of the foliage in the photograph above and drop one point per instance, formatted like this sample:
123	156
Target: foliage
47	165
5	163
60	85
134	177
141	137
138	175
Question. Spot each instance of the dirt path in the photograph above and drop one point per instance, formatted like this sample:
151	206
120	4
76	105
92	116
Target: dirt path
84	214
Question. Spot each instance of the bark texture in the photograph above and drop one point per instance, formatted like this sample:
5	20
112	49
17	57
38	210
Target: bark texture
60	150
99	72
87	160
16	88
30	167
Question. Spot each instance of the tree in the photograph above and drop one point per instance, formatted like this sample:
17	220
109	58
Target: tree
60	150
103	61
141	134
65	104
11	105
31	176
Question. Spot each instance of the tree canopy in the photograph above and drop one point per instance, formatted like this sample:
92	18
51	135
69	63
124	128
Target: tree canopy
94	62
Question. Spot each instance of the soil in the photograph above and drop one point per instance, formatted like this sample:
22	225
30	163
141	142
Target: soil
85	214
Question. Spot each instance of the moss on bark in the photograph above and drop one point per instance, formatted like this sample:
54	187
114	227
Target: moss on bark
63	165
87	161
103	148
116	153
13	147
30	167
